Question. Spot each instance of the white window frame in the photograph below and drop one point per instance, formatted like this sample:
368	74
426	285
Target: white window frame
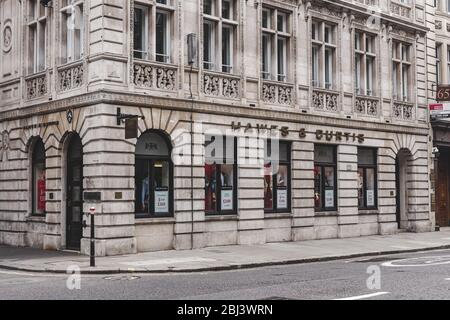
151	8
219	23
365	56
69	50
318	40
438	63
37	30
275	36
402	66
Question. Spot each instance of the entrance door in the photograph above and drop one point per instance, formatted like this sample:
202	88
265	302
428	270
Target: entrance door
442	190
397	193
74	189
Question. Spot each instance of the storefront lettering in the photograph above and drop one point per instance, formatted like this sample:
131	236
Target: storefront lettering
40	125
328	135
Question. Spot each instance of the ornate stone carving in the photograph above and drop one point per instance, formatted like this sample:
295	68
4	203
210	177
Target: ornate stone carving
220	85
438	24
4	143
277	93
7	38
403	111
36	86
165	78
154	76
210	85
143	75
366	105
70	77
401	10
324	100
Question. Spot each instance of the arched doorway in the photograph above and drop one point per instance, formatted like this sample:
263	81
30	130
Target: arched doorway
74	194
401	180
153	175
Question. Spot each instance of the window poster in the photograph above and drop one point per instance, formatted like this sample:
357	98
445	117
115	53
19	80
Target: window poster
161	201
370	198
226	200
282	199
329	198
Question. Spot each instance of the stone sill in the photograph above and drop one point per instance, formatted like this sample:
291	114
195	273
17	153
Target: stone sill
368	212
162	220
277	215
40	219
223	217
326	214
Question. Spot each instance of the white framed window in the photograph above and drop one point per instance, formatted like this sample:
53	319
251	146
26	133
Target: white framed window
275	44
438	63
401	71
72	30
153	28
37	17
323	37
365	57
219	34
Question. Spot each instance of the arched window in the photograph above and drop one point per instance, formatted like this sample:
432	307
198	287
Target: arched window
153	176
38	178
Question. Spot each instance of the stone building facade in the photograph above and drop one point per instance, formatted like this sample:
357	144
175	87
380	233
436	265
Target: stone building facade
336	90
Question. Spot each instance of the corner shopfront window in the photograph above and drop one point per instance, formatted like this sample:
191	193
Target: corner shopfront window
220	175
38	178
277	167
367	181
325	178
153	176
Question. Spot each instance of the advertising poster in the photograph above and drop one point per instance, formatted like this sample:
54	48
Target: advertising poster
282	199
329	198
370	198
227	200
161	201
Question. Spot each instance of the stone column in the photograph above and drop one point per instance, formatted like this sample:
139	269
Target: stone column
250	193
347	166
302	191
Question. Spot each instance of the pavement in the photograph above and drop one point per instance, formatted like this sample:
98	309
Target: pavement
223	257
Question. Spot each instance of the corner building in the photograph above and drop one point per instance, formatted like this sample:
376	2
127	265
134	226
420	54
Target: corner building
296	120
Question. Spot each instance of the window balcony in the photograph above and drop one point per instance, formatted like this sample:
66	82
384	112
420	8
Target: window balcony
275	92
370	3
218	84
154	75
325	100
37	85
367	105
403	110
70	76
401	9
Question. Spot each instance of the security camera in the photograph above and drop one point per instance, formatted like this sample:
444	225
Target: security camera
46	3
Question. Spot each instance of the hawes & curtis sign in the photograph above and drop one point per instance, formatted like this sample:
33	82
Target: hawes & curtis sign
327	135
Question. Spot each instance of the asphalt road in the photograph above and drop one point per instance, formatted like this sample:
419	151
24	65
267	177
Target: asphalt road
423	275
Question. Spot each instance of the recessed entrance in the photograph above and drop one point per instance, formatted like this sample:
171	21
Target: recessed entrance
401	165
443	188
74	201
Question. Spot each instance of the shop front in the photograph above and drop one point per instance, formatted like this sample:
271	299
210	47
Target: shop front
218	180
441	133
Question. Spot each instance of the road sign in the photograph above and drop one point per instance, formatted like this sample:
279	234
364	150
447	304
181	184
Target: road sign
439	109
